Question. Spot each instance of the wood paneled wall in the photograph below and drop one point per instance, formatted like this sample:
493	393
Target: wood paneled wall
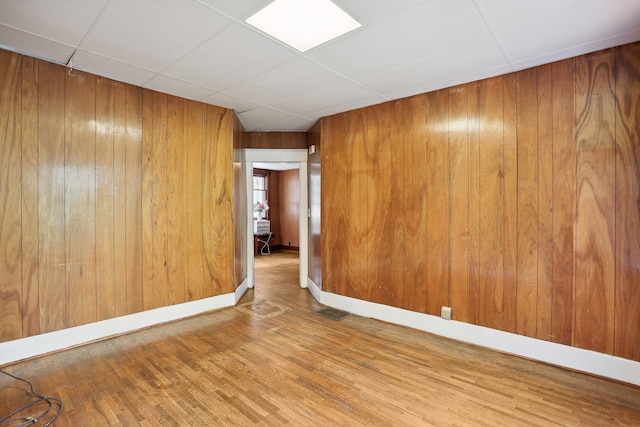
275	140
514	200
289	208
114	199
314	183
240	208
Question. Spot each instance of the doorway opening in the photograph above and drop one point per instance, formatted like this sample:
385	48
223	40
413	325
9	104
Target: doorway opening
253	159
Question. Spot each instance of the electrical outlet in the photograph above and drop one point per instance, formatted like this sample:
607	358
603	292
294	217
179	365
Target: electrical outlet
445	313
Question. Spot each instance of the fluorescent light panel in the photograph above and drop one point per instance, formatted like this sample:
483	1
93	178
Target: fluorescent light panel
303	24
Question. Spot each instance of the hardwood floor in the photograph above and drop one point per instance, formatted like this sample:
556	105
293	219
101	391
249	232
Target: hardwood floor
271	361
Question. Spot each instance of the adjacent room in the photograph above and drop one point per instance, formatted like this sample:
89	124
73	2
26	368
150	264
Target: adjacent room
320	212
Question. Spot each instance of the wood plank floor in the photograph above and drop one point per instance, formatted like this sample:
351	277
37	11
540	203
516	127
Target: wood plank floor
272	361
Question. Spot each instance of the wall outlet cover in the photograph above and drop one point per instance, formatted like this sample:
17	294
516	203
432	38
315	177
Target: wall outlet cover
446	313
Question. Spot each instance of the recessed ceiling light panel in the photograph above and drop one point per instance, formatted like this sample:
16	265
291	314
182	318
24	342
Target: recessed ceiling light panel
303	24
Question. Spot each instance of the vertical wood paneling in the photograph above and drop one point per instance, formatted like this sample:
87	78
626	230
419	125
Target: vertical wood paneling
120	197
595	201
627	290
334	203
176	200
545	204
217	201
10	198
564	189
51	155
459	204
105	209
80	207
160	294
396	185
357	206
80	198
378	190
542	184
510	156
417	203
527	254
437	196
196	117
473	111
147	208
491	96
30	237
133	202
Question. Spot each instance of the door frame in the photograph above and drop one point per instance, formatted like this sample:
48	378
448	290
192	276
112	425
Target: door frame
299	156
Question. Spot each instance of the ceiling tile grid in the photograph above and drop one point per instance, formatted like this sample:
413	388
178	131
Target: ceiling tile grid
203	50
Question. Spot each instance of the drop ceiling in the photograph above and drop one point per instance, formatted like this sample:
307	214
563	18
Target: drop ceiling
202	49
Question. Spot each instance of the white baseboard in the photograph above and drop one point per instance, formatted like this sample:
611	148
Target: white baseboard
314	289
240	290
587	361
24	348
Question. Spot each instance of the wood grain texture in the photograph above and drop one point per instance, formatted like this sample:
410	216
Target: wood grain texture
357	206
176	200
80	198
133	199
314	136
491	93
399	290
545	190
510	157
10	198
545	204
275	140
30	233
105	209
459	168
595	201
52	253
240	208
120	197
473	114
94	179
236	367
627	203
437	201
333	207
416	203
527	255
564	207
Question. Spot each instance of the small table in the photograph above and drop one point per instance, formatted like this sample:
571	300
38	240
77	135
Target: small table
264	239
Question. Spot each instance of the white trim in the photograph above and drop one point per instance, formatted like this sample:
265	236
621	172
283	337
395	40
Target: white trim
314	289
252	155
578	359
24	348
240	290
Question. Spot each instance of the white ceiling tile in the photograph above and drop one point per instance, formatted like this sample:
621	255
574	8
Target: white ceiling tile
239	10
177	87
33	45
509	13
111	68
299	124
222	99
325	97
232	56
425	28
152	34
481	54
297	76
370	12
263	116
65	21
591	21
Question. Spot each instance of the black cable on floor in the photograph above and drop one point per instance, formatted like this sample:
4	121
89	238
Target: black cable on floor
53	404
